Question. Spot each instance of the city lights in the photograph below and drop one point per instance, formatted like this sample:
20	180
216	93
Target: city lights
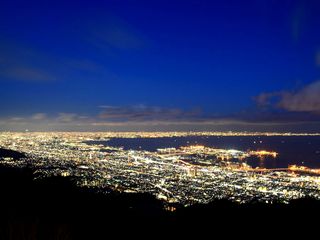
186	175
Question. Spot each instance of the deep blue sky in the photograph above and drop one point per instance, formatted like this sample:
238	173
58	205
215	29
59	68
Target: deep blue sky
124	61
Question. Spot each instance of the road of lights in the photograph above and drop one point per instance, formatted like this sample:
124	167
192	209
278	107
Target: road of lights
186	175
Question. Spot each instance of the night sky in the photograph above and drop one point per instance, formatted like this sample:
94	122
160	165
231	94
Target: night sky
160	65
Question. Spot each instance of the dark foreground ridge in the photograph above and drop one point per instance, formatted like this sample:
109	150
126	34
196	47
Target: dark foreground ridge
54	208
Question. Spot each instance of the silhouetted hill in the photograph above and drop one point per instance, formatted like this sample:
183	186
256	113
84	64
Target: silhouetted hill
9	153
54	208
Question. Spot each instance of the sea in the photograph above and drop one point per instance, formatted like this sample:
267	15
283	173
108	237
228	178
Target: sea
292	150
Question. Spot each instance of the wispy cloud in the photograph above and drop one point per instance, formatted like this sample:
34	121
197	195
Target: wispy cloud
27	74
67	117
25	64
266	98
39	116
147	113
113	32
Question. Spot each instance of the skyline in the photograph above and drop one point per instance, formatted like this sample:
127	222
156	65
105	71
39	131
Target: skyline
160	66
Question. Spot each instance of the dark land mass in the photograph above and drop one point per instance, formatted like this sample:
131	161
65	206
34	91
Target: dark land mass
54	208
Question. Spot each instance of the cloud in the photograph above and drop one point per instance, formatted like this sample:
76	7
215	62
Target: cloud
39	116
16	119
265	99
304	100
25	64
275	116
146	118
146	113
67	117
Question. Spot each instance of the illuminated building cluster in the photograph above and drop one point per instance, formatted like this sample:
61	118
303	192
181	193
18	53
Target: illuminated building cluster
186	175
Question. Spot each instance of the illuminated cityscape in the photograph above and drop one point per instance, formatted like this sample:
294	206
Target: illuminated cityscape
147	118
185	175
